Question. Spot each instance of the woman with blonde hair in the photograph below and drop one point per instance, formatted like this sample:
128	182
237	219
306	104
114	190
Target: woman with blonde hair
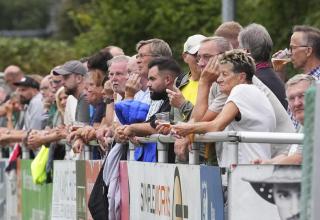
61	100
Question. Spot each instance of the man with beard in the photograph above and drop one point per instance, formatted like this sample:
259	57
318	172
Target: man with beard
162	74
74	73
34	113
28	91
137	87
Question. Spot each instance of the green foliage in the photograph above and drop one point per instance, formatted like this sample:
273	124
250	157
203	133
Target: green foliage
89	25
34	55
18	14
279	17
73	18
124	23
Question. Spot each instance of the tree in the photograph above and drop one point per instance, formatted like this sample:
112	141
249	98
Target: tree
17	14
34	55
124	23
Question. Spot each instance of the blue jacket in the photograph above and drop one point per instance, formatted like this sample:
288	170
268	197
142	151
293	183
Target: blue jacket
132	111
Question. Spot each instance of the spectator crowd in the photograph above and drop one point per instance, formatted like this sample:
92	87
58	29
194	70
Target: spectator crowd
233	82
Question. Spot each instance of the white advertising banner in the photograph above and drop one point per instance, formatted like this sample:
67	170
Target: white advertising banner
12	195
2	190
164	191
265	192
64	190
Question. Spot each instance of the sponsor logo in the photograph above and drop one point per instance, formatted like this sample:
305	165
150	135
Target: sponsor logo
179	210
155	199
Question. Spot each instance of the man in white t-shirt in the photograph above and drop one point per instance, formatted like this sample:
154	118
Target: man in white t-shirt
241	111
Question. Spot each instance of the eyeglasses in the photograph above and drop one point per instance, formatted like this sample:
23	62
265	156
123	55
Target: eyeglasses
206	57
141	55
292	47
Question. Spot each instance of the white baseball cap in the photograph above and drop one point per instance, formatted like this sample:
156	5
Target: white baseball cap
192	44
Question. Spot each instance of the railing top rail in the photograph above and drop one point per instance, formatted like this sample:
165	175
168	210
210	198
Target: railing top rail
232	136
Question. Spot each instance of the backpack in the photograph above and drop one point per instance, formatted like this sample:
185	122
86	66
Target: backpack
98	201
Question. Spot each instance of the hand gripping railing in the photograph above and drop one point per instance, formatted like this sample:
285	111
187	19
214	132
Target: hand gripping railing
232	137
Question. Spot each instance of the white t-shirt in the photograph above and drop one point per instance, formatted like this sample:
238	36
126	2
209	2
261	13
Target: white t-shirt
256	115
284	123
143	96
70	111
296	148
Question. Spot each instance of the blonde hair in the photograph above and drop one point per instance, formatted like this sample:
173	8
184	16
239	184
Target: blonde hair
59	106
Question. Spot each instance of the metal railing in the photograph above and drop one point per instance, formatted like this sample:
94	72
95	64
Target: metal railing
232	137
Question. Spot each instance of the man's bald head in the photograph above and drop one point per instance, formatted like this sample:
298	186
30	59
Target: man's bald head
12	74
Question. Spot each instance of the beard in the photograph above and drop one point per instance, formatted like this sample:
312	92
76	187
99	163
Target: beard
69	91
159	95
24	101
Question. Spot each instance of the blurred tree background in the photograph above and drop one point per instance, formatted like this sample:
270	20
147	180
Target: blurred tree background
85	26
18	14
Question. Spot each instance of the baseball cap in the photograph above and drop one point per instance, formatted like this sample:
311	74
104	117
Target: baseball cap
28	82
70	67
192	44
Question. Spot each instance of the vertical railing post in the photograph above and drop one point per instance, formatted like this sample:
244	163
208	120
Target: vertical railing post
194	154
162	149
25	152
87	152
131	151
234	146
234	155
67	147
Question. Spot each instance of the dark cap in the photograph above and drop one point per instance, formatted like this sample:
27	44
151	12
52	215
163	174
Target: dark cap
70	67
28	82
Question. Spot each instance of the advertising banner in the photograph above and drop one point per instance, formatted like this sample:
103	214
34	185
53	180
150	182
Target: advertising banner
164	191
81	189
124	186
212	207
19	189
10	193
3	193
36	199
64	190
264	192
